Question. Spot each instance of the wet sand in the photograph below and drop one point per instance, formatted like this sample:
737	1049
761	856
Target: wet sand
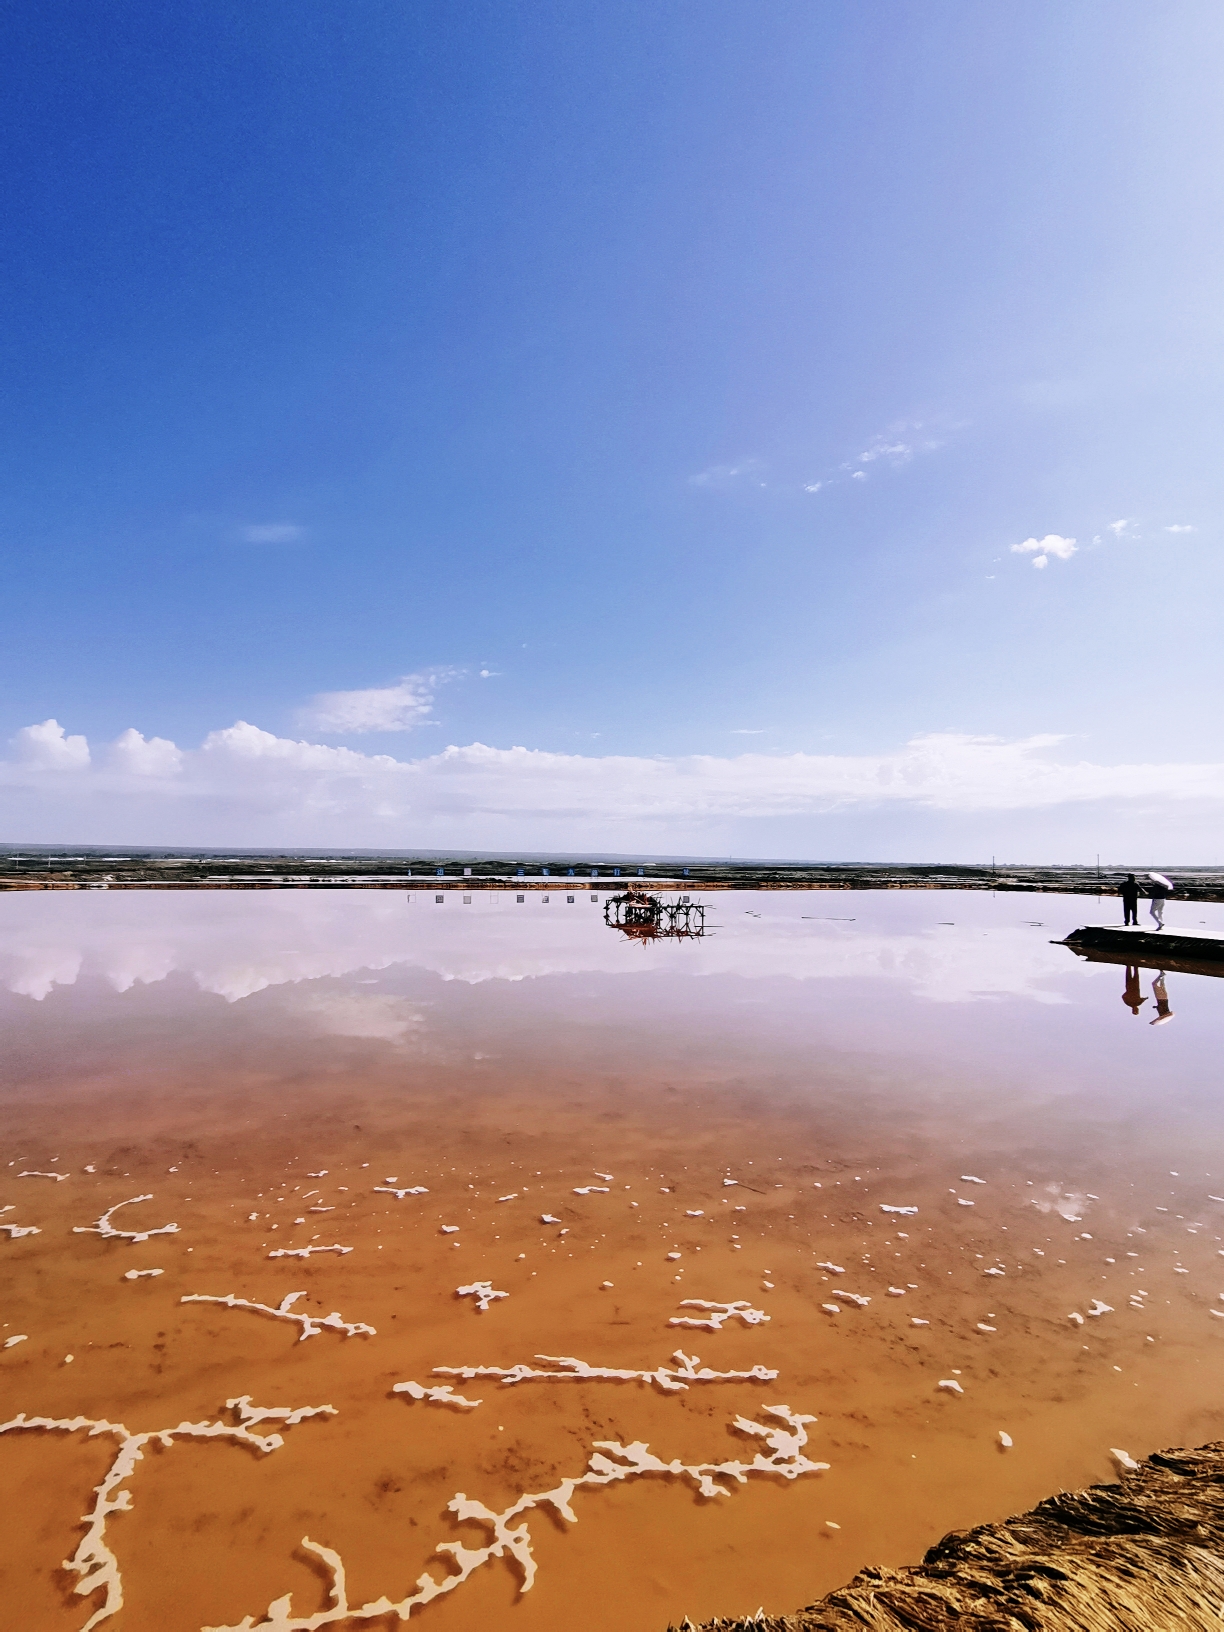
830	1071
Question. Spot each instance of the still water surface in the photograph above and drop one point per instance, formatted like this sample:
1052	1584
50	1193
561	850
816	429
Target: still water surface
433	1087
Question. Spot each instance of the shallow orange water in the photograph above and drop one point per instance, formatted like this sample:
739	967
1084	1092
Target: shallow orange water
831	1059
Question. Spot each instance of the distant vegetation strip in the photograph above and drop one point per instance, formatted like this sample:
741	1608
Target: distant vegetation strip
39	870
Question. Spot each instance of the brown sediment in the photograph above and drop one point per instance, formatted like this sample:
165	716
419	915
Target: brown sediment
1142	1554
375	1482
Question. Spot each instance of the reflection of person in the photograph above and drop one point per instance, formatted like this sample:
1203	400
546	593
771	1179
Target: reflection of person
1132	995
1130	901
1159	892
1163	1011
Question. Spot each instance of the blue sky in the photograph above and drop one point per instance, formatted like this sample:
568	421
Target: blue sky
641	382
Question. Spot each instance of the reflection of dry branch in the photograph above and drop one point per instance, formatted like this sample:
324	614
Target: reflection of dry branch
719	1314
93	1560
565	1369
311	1325
104	1227
443	1394
785	1442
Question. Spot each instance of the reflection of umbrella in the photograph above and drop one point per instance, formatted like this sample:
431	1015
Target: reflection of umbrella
1161	879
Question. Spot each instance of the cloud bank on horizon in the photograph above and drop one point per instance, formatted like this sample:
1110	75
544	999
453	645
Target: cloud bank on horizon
247	786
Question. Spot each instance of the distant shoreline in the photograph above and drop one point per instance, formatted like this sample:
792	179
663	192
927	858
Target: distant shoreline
266	871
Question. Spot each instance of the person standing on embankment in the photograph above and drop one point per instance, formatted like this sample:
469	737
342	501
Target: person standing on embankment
1160	890
1130	901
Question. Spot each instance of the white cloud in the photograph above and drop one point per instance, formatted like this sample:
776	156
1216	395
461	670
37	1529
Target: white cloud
900	443
273	532
1179	528
812	487
897	453
140	756
247	786
725	475
47	748
1041	549
1117	528
380	708
858	476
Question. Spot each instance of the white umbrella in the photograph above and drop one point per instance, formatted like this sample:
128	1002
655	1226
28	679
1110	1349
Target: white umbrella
1161	879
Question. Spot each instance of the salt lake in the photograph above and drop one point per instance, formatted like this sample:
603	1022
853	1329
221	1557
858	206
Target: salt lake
841	1192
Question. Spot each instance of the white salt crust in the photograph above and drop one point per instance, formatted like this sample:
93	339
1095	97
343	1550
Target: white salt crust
307	1252
440	1394
718	1314
105	1228
93	1561
610	1463
17	1230
482	1291
311	1325
565	1369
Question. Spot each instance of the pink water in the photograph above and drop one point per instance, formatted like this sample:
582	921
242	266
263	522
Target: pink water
833	1053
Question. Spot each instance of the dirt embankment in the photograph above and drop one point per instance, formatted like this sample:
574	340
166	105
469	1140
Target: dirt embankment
1143	1555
